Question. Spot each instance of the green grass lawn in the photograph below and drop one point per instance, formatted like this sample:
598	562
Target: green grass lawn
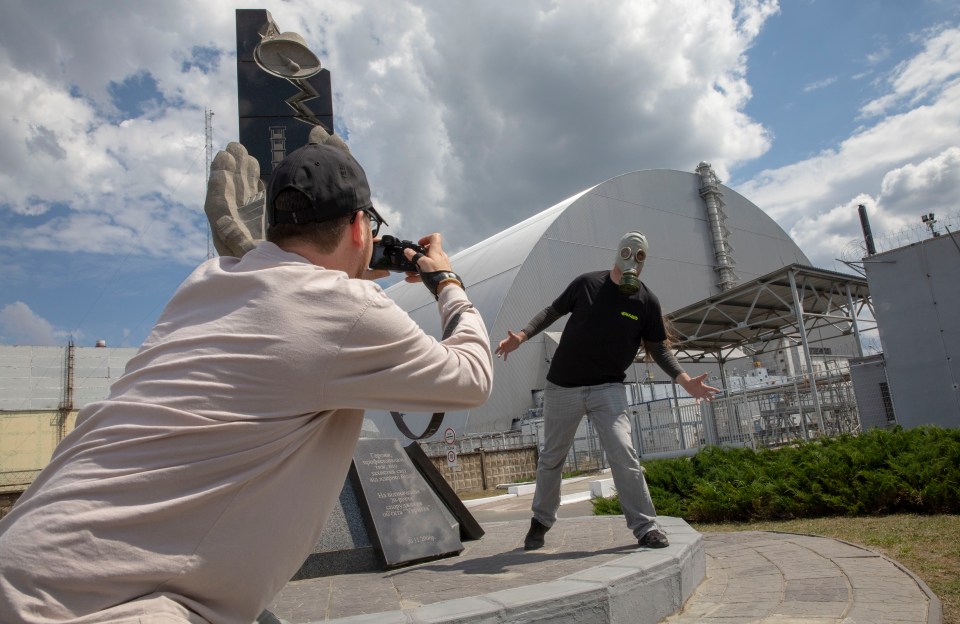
929	546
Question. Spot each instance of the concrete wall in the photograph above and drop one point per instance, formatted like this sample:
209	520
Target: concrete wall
872	390
27	440
917	304
6	502
487	469
32	378
31	391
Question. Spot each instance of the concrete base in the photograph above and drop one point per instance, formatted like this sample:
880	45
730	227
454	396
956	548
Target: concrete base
602	488
520	490
643	587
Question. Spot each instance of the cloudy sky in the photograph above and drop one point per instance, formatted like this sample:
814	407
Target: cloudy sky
468	117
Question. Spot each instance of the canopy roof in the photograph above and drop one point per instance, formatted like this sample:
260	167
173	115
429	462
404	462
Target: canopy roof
764	311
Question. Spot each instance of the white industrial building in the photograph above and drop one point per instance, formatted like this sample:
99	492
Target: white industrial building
705	239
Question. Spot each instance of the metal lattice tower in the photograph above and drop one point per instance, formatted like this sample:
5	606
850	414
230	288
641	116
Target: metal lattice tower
208	136
713	198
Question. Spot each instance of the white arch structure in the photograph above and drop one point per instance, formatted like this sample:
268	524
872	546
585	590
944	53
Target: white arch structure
516	273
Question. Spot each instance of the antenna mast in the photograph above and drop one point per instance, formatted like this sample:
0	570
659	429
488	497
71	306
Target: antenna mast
208	135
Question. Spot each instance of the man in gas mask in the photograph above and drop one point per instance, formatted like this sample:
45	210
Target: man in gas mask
612	314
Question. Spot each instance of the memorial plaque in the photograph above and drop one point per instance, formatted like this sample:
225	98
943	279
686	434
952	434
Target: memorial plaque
470	529
408	522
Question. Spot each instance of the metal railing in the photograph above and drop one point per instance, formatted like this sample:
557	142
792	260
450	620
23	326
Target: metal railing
764	416
484	441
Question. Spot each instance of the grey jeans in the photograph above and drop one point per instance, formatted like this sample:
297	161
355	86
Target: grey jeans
606	407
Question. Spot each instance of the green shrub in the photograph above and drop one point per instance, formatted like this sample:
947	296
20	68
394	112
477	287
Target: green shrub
880	472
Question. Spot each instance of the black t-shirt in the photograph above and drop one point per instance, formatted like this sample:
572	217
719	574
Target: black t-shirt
604	330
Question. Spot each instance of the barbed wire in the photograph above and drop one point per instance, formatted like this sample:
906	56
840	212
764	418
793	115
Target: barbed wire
911	234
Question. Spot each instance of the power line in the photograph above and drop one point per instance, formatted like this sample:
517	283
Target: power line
208	135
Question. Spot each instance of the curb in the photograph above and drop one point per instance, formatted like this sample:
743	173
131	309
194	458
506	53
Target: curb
521	489
643	587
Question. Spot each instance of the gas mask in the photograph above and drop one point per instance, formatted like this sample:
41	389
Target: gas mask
630	257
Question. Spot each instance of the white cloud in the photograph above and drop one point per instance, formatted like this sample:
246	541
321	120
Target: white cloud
932	185
87	178
467	117
895	165
819	84
20	326
922	76
906	193
473	129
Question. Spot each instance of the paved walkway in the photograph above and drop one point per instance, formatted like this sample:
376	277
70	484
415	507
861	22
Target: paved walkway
755	577
782	578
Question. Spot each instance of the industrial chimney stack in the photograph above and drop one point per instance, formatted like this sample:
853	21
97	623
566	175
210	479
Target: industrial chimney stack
865	225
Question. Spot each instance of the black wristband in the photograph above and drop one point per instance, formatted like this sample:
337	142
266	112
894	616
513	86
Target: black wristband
433	279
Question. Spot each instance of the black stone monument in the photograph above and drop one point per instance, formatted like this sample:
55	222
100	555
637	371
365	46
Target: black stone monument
276	114
395	507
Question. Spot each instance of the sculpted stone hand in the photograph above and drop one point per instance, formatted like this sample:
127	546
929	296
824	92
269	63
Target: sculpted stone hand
235	196
234	205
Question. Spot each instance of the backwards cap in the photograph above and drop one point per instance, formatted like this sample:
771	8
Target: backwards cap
330	177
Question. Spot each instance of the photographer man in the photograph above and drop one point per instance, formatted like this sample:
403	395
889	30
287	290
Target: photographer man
198	487
612	314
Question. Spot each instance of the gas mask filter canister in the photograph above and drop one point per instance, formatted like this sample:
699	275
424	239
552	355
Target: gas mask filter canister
631	254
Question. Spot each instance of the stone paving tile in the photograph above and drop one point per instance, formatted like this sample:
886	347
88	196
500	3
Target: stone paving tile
801	570
376	597
751	577
813	608
758	610
888	614
771	597
728	620
830	548
752	566
830	589
793	619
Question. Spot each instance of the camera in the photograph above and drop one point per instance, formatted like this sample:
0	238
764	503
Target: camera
388	254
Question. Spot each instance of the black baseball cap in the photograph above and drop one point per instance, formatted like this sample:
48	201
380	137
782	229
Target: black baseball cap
329	176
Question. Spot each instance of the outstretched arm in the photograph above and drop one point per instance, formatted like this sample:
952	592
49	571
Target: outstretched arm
537	324
510	343
693	385
696	386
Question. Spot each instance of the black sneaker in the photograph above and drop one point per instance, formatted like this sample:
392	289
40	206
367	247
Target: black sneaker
654	539
534	538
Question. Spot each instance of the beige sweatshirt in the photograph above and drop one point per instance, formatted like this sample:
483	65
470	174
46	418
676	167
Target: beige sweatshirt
200	485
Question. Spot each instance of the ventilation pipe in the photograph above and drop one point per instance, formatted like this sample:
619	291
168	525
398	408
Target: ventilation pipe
713	198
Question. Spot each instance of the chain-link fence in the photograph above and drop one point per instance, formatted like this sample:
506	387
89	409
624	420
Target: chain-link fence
508	440
777	413
16	480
